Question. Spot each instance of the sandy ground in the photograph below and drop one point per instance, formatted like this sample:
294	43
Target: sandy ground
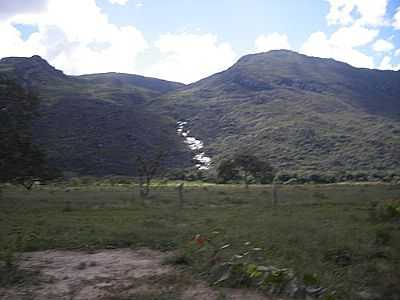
118	274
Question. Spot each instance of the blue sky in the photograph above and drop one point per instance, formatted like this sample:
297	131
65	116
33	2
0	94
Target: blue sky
186	40
238	21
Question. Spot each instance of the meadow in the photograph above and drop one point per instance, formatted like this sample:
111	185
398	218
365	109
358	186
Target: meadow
331	232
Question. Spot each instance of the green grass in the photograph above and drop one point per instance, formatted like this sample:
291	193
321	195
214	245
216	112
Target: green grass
312	225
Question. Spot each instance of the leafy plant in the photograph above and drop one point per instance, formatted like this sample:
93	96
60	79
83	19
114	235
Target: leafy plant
311	279
9	270
386	211
383	235
241	269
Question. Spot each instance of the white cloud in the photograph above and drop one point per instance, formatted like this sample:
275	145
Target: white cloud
11	8
273	41
188	57
353	36
342	45
370	12
386	64
139	5
320	46
382	46
396	19
397	52
13	44
357	18
75	36
119	2
340	12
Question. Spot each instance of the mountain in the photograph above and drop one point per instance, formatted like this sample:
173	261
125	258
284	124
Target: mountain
52	84
97	124
302	113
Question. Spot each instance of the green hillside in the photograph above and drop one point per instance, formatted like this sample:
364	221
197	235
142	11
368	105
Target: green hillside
300	112
304	114
97	124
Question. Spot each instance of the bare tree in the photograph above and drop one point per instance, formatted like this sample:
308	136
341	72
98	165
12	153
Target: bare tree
147	169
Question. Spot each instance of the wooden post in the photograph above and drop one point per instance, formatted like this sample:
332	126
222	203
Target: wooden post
274	193
142	194
180	194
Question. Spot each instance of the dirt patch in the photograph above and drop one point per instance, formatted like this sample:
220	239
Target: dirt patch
119	274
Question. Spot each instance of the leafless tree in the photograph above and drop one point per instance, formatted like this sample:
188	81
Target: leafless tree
147	168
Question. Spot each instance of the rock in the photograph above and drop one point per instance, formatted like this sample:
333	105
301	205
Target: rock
104	285
291	181
294	290
92	264
317	292
343	260
266	269
81	266
368	295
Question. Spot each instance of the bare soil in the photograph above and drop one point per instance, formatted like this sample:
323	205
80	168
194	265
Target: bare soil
117	274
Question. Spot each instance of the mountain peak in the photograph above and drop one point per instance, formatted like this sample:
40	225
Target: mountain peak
39	59
287	57
15	60
31	70
289	69
278	53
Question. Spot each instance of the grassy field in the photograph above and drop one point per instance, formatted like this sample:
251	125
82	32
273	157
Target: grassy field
311	231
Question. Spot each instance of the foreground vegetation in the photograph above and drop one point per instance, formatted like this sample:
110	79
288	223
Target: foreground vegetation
338	235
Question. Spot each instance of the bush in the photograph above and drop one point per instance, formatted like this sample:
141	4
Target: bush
243	268
10	274
386	211
120	180
383	235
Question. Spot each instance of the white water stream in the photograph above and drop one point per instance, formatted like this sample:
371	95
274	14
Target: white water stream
203	162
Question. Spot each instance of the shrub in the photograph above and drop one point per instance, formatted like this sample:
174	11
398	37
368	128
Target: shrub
386	211
383	235
243	269
10	274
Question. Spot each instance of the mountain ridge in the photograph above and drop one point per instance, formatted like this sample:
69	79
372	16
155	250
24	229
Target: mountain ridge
96	124
302	113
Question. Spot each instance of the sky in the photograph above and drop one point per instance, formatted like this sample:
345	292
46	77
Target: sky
187	40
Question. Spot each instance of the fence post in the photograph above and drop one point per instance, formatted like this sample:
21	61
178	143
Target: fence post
180	194
274	193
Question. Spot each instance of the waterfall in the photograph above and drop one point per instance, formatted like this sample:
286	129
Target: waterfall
203	162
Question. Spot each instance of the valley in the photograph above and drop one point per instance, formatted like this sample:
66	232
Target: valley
278	178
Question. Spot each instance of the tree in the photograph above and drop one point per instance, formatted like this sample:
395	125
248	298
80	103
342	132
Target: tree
246	166
227	170
147	168
21	161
